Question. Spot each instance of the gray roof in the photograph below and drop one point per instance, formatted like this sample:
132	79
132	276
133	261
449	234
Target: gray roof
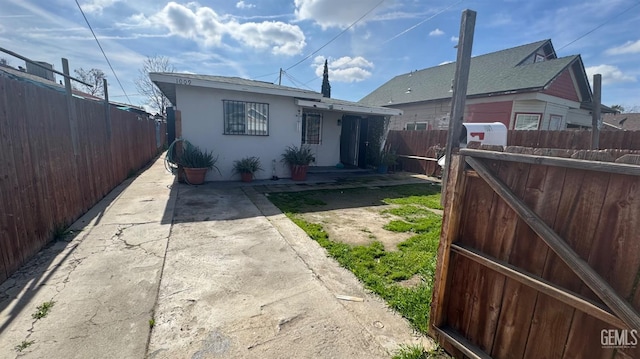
224	80
493	73
624	121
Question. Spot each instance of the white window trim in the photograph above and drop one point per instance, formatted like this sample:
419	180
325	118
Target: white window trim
537	127
415	125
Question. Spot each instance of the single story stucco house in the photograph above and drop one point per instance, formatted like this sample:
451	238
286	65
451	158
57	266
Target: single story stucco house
236	118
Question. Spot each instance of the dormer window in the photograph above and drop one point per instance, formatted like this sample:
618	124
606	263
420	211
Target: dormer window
539	58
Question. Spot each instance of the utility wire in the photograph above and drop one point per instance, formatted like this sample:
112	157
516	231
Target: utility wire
601	25
421	22
335	37
103	53
295	81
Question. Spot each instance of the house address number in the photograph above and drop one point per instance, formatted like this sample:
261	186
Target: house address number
183	81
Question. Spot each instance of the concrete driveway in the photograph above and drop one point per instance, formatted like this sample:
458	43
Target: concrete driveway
165	270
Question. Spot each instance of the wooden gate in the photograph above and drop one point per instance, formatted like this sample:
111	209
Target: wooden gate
539	257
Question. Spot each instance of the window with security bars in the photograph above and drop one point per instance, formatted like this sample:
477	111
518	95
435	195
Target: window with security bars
312	129
246	118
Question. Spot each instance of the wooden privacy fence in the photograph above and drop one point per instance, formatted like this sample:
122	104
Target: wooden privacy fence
429	142
44	185
539	256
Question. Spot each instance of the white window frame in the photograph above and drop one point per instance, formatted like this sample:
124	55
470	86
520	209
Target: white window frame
245	118
414	126
528	119
312	128
557	118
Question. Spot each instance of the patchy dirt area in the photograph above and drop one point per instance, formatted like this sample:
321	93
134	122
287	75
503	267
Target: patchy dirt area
355	216
359	226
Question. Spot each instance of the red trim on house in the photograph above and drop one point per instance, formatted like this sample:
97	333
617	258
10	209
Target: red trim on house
489	112
563	87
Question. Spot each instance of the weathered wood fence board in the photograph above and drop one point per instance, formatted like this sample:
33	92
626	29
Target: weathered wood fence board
44	186
595	213
426	144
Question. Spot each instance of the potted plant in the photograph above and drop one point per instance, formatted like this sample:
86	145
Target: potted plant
298	159
387	158
196	163
246	167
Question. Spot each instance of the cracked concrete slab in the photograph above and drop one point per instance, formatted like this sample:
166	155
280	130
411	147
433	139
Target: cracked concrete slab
235	285
222	273
103	282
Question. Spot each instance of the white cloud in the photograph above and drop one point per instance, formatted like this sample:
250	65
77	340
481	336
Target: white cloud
244	5
436	32
284	39
204	25
334	13
610	74
454	39
344	69
97	6
629	47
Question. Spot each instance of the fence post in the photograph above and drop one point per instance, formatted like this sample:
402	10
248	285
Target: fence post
595	113
73	117
107	112
461	79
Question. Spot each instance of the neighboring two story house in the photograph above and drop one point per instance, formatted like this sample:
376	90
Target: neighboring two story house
526	87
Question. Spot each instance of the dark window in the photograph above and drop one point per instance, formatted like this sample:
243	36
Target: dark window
246	118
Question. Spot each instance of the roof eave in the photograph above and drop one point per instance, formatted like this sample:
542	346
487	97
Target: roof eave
176	79
355	109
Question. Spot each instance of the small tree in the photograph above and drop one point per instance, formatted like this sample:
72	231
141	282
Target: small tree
326	86
155	98
94	77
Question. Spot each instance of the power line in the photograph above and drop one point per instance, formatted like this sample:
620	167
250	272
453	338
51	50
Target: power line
335	37
421	22
295	81
601	25
103	53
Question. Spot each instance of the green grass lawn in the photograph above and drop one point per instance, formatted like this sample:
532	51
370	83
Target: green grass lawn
381	270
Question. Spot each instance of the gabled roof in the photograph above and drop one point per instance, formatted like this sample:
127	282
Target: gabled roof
167	82
506	71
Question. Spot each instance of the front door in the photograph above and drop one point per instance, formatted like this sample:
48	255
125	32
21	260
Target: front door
363	142
349	137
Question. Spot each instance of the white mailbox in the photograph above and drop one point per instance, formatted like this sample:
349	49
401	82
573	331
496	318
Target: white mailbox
488	133
493	133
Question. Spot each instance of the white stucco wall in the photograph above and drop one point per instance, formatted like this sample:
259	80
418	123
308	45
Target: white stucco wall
327	153
203	125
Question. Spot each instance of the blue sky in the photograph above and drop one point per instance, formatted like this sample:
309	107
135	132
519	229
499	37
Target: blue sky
255	38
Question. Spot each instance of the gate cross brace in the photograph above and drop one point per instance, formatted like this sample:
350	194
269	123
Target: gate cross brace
581	268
